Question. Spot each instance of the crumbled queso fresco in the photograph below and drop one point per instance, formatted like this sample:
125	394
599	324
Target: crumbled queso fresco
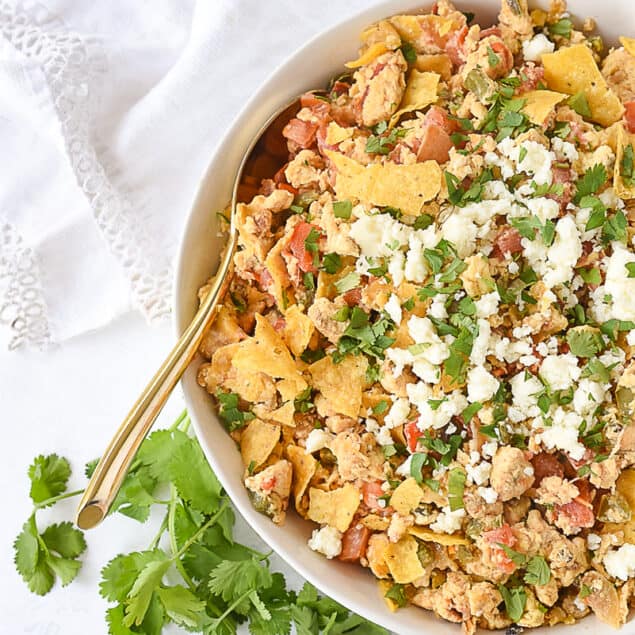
427	346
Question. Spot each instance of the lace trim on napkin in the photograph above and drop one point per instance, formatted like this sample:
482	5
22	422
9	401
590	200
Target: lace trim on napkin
73	68
22	305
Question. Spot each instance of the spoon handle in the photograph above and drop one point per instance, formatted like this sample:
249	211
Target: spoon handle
115	462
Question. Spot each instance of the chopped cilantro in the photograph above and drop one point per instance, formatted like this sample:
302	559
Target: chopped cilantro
229	410
384	143
515	600
309	281
309	356
422	221
380	407
470	411
585	341
612	327
397	594
362	336
591	182
460	197
417	462
591	275
538	572
614	228
630	268
331	263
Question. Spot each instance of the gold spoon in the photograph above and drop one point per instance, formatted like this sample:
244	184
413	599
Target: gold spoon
265	155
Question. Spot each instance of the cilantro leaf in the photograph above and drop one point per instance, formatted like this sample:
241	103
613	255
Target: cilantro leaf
562	27
585	341
538	572
615	228
342	209
49	476
409	52
397	594
64	539
515	601
580	104
591	182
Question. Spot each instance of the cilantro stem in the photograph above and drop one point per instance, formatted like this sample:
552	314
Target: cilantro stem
179	420
172	534
155	541
194	537
232	606
55	499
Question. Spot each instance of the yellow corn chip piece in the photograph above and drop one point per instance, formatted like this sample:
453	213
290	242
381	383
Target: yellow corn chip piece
335	508
539	104
298	330
381	32
403	560
572	70
341	384
336	134
624	140
447	540
304	466
376	523
406	497
287	389
283	414
249	383
372	52
408	26
437	63
421	91
628	43
384	587
407	187
258	441
267	353
276	266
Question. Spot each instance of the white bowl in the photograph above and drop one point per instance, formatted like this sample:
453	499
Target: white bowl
311	67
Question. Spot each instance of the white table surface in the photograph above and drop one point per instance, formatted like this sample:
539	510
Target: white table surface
69	400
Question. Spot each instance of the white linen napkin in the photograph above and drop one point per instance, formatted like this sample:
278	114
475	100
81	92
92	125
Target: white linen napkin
109	113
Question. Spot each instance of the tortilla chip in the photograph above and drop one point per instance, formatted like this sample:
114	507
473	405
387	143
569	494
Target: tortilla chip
341	384
287	389
298	330
624	139
304	466
384	587
421	91
403	560
267	353
381	31
572	70
258	441
411	27
406	497
336	134
251	384
274	262
539	104
283	415
437	63
628	43
408	26
376	523
326	285
446	540
407	187
371	53
335	508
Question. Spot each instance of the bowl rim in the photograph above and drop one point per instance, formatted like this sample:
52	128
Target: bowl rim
181	317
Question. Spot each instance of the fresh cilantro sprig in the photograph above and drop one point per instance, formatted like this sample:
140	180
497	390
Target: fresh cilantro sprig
202	581
383	142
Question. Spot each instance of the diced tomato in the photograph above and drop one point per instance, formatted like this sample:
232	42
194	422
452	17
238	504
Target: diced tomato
301	132
354	543
412	434
506	60
546	465
493	30
502	535
455	46
531	75
587	492
353	297
507	242
629	116
288	188
298	248
264	278
371	492
268	484
578	514
435	144
319	107
439	117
